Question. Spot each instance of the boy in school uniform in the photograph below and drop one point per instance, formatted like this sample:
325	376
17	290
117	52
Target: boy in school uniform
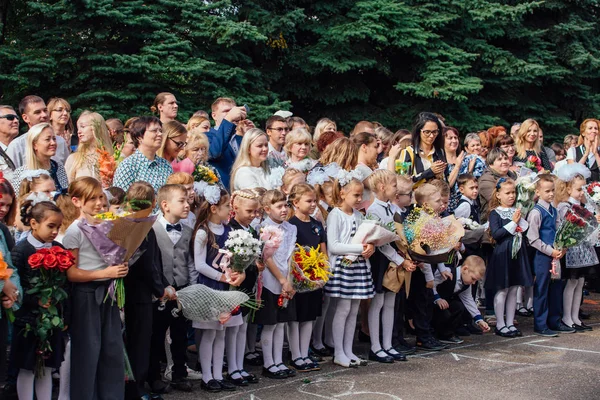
173	239
547	294
452	298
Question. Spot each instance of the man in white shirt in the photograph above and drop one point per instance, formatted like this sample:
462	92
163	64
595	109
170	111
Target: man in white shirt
33	110
277	129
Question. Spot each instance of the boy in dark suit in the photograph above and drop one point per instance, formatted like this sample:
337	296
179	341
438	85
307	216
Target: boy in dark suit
173	239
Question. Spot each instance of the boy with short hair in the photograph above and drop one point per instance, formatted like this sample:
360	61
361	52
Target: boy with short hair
452	298
173	239
547	294
468	207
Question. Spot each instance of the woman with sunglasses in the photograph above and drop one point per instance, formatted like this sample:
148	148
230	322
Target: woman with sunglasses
94	137
174	140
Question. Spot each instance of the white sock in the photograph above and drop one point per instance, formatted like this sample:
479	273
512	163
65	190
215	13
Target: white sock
342	310
241	344
231	337
317	334
65	374
329	341
568	294
511	305
218	354
294	340
499	305
205	353
43	385
306	329
266	341
577	295
278	345
374	315
27	382
528	297
387	321
349	330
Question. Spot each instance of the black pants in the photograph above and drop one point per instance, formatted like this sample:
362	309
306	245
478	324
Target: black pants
399	304
445	322
138	336
3	344
420	302
162	320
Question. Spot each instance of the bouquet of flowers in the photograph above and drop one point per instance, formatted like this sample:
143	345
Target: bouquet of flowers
592	193
431	239
534	163
575	229
241	250
271	236
525	186
200	303
309	270
116	237
106	167
374	232
203	173
52	264
402	167
6	274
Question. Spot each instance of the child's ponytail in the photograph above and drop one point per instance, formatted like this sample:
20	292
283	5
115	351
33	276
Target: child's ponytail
36	207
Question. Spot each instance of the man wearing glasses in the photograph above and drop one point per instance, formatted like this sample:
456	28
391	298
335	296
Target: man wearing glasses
9	129
277	129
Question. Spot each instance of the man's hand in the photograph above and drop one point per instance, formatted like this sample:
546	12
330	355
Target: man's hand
236	114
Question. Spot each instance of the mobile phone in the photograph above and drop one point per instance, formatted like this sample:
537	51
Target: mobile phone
247	108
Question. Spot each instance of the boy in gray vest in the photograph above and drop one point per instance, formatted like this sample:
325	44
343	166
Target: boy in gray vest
173	239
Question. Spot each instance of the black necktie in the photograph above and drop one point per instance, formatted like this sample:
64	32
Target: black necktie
176	227
388	209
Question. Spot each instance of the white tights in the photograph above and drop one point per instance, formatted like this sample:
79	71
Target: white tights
211	353
344	324
65	374
235	343
382	304
271	340
505	301
27	382
299	334
572	301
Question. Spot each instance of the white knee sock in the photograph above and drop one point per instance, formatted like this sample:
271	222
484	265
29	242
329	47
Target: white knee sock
349	330
205	353
511	305
231	337
499	305
374	318
266	341
306	329
65	374
342	310
218	354
577	295
568	294
328	328
294	341
317	335
278	345
387	321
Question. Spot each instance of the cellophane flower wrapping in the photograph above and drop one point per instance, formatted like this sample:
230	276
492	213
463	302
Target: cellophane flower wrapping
576	228
271	236
203	173
244	249
372	231
525	186
309	269
592	194
431	238
116	237
200	303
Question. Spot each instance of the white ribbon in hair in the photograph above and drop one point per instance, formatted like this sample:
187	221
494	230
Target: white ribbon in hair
567	172
38	197
320	175
212	193
344	177
36	173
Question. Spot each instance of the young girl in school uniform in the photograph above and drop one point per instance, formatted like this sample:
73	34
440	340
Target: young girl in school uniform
211	232
44	219
504	273
97	363
579	259
309	304
276	285
351	283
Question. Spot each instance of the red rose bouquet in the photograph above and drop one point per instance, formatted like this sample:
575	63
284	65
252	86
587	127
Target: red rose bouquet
52	265
534	163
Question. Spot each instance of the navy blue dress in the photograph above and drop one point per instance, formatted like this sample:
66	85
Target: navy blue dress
212	255
503	271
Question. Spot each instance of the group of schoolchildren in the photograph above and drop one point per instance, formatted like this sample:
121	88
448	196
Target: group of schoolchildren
436	301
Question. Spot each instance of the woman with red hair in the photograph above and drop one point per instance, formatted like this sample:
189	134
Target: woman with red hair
586	151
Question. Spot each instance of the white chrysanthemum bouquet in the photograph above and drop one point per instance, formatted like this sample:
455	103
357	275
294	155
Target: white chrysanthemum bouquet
241	250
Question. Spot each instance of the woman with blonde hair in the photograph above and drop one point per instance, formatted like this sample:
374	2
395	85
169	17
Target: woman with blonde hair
59	113
198	121
343	152
166	106
527	144
94	139
250	169
297	146
174	140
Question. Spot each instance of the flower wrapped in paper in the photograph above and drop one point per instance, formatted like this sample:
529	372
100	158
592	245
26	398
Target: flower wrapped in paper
372	231
525	186
592	194
116	237
271	236
431	239
309	269
241	250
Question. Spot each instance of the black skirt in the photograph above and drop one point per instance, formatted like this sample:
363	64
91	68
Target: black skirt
25	349
309	305
270	313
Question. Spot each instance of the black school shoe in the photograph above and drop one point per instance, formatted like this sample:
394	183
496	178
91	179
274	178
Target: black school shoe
397	356
381	356
182	384
227	386
563	328
255	359
237	381
430	344
583	327
211	386
451	340
301	367
251	378
403	347
274	375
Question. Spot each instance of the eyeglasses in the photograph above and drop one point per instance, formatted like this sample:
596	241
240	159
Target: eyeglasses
10	117
180	145
430	133
280	129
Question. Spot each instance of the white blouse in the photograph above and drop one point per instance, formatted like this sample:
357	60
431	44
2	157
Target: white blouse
250	178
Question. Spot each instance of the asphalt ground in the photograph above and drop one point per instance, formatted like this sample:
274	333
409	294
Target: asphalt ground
483	367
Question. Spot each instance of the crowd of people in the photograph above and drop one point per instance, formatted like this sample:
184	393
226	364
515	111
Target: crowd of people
61	173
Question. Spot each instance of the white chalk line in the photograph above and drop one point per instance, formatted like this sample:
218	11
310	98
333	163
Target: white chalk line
457	357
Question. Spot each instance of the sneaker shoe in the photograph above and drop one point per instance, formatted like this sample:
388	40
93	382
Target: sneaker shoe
430	344
451	340
562	328
403	347
193	375
546	333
